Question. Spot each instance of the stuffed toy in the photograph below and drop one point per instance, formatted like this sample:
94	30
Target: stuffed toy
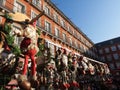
29	48
28	45
91	68
65	58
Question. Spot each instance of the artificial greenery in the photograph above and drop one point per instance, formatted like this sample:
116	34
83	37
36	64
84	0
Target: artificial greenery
7	28
40	45
41	48
10	38
16	50
38	31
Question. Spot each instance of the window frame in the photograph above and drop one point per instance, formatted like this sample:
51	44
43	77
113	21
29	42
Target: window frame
22	8
48	26
113	48
57	32
107	50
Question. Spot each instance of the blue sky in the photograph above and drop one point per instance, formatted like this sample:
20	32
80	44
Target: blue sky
98	19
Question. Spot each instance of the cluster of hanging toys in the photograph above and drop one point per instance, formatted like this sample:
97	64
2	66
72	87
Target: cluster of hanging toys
64	71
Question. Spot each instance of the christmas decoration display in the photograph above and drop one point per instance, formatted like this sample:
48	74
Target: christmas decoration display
64	71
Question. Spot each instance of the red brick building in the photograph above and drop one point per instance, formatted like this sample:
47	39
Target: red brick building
57	29
109	52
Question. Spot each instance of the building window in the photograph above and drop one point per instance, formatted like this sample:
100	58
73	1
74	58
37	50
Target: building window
64	36
100	51
70	41
2	2
103	58
57	32
116	56
118	65
109	57
111	65
76	44
55	17
107	50
37	3
47	10
33	15
68	28
113	48
47	26
62	23
19	7
75	33
82	48
79	37
82	38
119	47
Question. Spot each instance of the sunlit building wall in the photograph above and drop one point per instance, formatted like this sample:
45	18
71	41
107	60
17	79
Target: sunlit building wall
57	30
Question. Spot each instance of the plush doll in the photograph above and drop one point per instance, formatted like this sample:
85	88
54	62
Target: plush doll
28	45
84	63
64	65
73	69
29	48
58	56
65	58
91	68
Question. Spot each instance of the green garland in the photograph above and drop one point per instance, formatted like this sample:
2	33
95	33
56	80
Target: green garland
10	40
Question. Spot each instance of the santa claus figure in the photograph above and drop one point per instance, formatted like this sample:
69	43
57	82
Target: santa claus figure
29	48
28	45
